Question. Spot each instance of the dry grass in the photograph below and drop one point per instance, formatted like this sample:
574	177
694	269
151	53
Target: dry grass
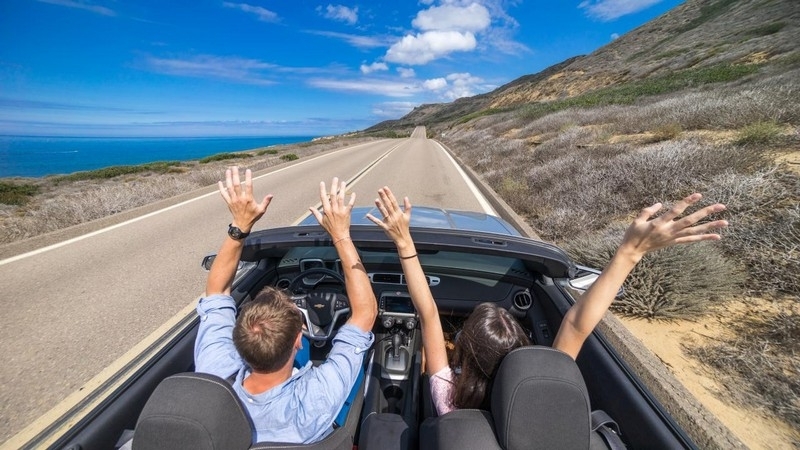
674	283
577	180
757	361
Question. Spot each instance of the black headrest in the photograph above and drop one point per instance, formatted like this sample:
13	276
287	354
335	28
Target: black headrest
193	411
539	396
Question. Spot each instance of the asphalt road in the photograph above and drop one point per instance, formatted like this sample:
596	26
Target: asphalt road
72	309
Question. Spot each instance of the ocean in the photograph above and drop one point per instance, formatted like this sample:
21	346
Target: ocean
40	156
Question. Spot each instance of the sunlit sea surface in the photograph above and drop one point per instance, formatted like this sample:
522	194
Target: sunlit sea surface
41	156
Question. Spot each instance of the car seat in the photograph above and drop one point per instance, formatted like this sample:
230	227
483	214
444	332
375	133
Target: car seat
199	411
539	400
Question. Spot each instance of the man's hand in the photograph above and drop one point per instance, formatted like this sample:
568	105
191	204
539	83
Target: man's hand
245	211
239	197
335	215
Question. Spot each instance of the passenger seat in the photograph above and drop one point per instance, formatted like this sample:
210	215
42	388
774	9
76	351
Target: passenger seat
539	400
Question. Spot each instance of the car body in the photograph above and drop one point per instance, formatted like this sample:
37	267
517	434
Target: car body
468	258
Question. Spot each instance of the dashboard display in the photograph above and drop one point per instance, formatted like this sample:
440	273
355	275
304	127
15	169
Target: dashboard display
396	304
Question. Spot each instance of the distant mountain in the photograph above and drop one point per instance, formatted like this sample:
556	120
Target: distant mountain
697	34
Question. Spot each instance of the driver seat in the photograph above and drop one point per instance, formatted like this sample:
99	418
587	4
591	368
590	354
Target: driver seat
538	400
198	411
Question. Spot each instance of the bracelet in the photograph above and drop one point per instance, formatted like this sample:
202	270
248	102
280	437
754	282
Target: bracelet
407	257
340	240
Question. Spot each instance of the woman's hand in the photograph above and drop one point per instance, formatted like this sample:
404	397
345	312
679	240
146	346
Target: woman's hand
646	234
395	221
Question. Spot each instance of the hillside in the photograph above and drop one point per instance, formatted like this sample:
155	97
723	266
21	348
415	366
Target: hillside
704	98
695	35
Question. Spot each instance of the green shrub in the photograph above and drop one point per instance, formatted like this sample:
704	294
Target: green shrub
224	156
679	282
16	194
289	157
666	132
115	171
759	133
270	151
765	30
757	362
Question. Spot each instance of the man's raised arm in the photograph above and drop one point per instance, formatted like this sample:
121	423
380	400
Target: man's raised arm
335	218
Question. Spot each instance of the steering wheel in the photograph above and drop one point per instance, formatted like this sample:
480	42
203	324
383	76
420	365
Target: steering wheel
321	309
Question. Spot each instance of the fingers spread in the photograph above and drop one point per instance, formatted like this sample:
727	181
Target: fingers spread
376	221
680	207
648	212
323	196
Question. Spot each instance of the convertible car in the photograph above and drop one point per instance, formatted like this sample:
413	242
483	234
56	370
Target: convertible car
540	397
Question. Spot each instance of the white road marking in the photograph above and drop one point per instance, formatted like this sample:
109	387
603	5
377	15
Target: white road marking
351	183
487	208
154	213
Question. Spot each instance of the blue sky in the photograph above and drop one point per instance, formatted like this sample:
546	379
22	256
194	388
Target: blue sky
276	68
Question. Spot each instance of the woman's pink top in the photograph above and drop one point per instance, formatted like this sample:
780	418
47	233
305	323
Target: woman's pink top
442	385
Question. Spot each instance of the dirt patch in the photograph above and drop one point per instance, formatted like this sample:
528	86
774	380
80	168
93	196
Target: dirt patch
790	160
666	340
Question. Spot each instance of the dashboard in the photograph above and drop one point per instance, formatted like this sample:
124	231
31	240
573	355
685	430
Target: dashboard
458	281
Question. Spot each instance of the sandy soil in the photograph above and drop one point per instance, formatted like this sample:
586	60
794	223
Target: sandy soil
665	339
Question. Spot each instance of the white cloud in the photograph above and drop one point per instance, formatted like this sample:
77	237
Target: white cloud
374	67
457	26
340	12
614	36
607	10
369	86
393	110
262	14
434	84
406	72
463	85
355	40
472	18
79	4
425	47
241	70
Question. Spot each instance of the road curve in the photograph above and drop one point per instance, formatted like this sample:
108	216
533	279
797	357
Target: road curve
72	309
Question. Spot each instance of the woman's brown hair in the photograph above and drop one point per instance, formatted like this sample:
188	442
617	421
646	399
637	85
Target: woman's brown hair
489	333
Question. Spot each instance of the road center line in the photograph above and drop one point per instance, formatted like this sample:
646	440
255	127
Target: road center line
352	182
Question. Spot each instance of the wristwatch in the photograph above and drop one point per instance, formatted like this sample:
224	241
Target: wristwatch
236	232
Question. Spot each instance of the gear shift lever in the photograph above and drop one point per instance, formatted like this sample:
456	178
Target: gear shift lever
396	340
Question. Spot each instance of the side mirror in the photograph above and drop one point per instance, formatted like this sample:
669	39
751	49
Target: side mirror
585	277
207	262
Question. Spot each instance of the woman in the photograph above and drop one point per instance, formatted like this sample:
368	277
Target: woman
491	332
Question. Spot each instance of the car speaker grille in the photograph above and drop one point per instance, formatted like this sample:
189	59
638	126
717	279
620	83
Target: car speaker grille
523	300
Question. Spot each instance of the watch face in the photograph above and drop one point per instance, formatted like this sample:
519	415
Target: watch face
236	233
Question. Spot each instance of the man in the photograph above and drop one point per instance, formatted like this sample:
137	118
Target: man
285	404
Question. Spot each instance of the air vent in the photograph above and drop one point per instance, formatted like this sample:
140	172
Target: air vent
523	300
283	283
388	278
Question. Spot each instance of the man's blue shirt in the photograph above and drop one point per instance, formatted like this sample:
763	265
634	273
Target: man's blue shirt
299	410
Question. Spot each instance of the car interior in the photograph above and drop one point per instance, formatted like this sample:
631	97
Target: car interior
540	397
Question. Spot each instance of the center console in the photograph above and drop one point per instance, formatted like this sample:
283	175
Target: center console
391	400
